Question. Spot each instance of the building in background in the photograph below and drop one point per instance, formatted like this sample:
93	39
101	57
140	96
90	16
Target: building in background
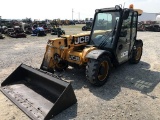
148	16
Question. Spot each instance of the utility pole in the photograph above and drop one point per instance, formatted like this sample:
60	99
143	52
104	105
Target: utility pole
124	5
79	15
72	13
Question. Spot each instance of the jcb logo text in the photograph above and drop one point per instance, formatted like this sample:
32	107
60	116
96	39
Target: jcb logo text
75	58
83	39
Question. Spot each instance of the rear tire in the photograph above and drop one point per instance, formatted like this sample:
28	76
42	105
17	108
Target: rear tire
136	55
98	70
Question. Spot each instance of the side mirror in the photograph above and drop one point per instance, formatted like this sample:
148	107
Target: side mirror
125	14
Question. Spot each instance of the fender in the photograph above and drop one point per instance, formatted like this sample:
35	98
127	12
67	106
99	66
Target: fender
96	53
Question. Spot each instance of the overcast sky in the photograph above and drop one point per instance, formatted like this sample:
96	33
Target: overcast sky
53	9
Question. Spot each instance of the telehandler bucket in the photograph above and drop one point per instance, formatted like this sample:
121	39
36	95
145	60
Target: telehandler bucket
39	94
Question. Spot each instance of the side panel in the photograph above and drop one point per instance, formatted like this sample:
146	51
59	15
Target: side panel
125	43
122	50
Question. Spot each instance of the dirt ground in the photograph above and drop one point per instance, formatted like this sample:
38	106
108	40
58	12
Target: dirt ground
132	92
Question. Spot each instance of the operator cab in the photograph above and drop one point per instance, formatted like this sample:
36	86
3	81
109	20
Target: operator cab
115	30
104	29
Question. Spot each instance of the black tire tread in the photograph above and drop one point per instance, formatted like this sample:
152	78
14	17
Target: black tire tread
91	71
132	59
63	68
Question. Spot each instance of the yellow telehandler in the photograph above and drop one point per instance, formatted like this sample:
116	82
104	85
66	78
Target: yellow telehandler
111	42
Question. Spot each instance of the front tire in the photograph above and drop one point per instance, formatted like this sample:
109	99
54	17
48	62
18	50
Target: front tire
98	70
62	65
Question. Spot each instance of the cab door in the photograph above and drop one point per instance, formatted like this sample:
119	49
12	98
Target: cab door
125	38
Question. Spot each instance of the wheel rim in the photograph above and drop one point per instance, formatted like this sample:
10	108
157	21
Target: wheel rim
103	71
139	51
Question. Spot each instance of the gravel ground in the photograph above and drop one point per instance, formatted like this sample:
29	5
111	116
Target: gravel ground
132	91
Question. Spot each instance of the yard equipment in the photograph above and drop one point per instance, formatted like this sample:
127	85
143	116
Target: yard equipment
16	32
27	28
141	26
47	28
87	26
2	36
71	22
38	31
148	26
112	41
153	27
3	29
57	31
